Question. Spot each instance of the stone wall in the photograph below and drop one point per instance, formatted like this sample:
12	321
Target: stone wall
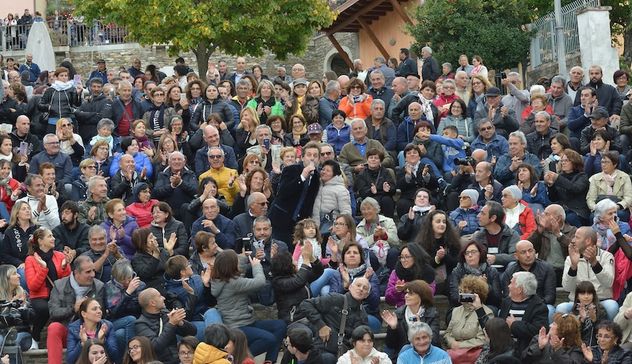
551	69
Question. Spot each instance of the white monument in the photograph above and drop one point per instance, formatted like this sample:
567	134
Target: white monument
41	47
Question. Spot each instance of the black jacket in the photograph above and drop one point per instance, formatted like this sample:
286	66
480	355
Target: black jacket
544	274
118	109
430	69
208	107
535	316
163	341
506	247
75	239
289	193
290	291
121	187
89	114
173	226
59	104
569	190
151	270
494	297
408	189
364	179
607	96
15	246
540	145
398	337
407	229
178	196
533	354
61	305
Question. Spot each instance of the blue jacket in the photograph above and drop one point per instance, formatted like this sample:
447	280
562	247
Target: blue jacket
541	195
195	304
405	133
372	302
33	69
502	173
338	138
434	355
124	241
497	147
452	148
325	107
74	340
577	121
470	215
140	160
227	231
98	74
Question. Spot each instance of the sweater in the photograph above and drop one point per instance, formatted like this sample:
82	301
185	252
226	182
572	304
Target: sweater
232	297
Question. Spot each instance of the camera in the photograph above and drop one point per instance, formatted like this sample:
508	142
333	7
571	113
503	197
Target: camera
467	161
466	297
357	98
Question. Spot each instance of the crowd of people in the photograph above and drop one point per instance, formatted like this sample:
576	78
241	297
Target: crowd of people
143	214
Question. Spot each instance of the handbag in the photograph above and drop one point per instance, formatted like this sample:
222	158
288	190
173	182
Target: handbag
465	355
10	314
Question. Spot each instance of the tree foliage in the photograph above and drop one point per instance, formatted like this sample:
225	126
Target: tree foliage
235	26
492	29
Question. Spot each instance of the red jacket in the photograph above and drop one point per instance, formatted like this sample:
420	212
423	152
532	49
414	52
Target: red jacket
6	197
361	110
36	275
444	100
142	212
526	221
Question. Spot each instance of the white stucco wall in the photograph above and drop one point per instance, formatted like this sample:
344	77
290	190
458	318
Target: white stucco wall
595	43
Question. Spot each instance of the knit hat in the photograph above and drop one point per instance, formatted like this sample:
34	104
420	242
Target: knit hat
471	193
514	191
140	186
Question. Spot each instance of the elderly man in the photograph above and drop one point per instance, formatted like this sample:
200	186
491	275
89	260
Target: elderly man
606	94
328	103
359	69
379	63
22	134
381	128
539	141
488	189
52	154
400	90
224	177
161	326
92	210
559	100
499	238
599	121
461	79
378	88
177	184
125	109
430	69
464	65
503	118
44	209
517	98
354	152
506	165
298	71
576	81
213	222
523	310
586	261
257	206
263	134
94	108
71	233
123	182
488	140
102	253
212	138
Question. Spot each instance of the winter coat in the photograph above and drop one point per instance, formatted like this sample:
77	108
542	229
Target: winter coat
61	304
119	303
163	234
364	180
75	346
468	215
358	110
367	231
398	337
149	269
90	113
142	212
162	334
536	315
15	244
36	275
464	125
351	156
598	186
207	354
195	303
332	196
466	326
59	104
208	107
496	147
175	197
544	274
291	290
123	235
506	246
232	297
397	299
494	296
569	190
372	302
337	138
504	175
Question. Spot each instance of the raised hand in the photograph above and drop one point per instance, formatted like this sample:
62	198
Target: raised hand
389	318
400	285
133	285
102	332
588	354
543	338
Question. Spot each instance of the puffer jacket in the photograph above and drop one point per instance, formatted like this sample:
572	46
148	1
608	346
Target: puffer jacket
290	291
494	297
207	354
367	230
89	114
162	334
332	196
398	337
123	235
36	276
163	234
208	107
59	103
232	297
74	340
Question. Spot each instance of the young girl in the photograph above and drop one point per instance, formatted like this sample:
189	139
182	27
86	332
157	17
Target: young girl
240	352
589	311
306	230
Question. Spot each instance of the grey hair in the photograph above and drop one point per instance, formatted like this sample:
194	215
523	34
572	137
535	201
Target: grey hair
262	126
376	102
378	73
261	219
604	205
358	120
177	153
417	329
449	82
447	64
559	80
520	135
514	191
380	60
426	48
105	122
537	90
95	230
124	83
48	137
93	181
559	210
371	201
526	281
512	74
544	114
332	86
122	270
210	149
243	82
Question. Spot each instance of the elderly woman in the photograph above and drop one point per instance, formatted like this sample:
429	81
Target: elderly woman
466	327
611	183
608	349
422	351
380	232
473	262
264	102
333	197
357	103
100	154
377	182
562	344
607	224
363	351
518	214
568	187
79	189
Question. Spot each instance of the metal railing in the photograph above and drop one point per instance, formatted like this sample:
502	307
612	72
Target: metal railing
544	42
64	32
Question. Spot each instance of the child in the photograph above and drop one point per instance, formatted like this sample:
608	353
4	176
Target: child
104	129
453	148
306	230
139	133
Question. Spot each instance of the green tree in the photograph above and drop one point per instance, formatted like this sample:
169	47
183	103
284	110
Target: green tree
202	26
492	29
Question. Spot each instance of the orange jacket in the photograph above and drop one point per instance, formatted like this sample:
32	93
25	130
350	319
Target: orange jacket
360	110
36	275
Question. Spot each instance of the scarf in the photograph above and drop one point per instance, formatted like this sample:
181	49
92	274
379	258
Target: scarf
157	117
414	319
48	259
63	86
354	272
482	268
80	291
426	108
421	209
407	274
5	183
606	237
609	179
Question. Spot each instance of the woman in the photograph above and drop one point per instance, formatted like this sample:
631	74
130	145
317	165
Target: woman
457	116
186	349
411	223
467	323
150	259
240	352
418	307
300	103
562	344
193	92
249	163
79	189
288	157
377	182
608	349
60	100
480	85
600	144
232	291
518	215
90	325
100	154
297	137
141	208
413	264
9	189
363	351
207	188
165	228
479	69
245	133
142	160
140	351
611	183
357	103
315	89
291	285
533	191
157	117
212	103
177	132
589	311
12	292
93	352
441	240
569	186
380	233
338	133
279	126
122	292
139	133
333	197
215	347
174	99
499	348
43	266
264	102
621	79
120	227
607	224
473	261
343	233
558	143
139	83
17	235
256	180
18	161
420	337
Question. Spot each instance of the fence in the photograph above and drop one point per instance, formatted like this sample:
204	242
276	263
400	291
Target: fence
544	42
63	33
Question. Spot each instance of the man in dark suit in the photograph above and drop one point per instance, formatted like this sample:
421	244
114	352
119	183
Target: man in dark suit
298	188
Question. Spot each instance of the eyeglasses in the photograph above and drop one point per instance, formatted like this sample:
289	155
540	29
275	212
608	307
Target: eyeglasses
215	156
564	160
52	143
134	348
185	353
326	153
340	223
92	166
486	128
262	203
65	125
471	252
159	94
355	86
405	257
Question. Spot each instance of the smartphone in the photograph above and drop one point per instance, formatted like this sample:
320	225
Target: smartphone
466	297
266	143
246	244
24	148
76	80
503	75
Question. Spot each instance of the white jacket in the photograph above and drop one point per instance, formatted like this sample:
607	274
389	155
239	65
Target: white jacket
602	280
332	195
346	357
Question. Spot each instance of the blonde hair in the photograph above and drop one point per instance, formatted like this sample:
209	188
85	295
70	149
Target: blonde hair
253	116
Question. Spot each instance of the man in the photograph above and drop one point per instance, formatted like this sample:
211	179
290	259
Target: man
94	108
52	154
213	222
298	71
240	100
358	68
559	100
212	139
503	118
464	65
257	206
135	70
102	253
495	144
161	326
125	109
125	179
240	70
407	65
282	75
599	121
607	95
523	310
71	233
92	210
22	134
586	261
177	184
379	63
381	128
66	297
44	207
499	238
579	116
378	89
552	238
507	164
222	68
328	103
488	189
297	190
267	156
354	152
343	80
425	99
224	177
430	69
462	80
526	261
300	348
413	81
400	90
101	72
539	142
30	67
575	82
517	98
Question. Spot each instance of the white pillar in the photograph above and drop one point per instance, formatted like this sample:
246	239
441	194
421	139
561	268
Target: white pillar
593	25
